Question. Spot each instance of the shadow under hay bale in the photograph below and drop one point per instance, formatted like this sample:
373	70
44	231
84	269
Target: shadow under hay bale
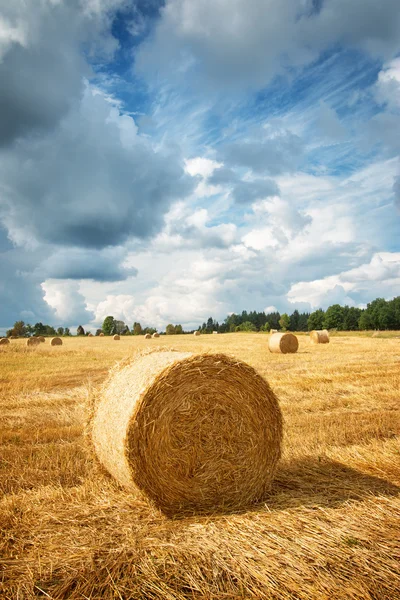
195	433
283	343
319	336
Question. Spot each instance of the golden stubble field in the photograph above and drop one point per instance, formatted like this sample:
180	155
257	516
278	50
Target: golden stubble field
330	528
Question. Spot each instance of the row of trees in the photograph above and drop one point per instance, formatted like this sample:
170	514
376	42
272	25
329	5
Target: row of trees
379	314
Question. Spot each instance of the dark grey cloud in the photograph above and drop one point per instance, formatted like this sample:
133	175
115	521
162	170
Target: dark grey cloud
229	45
77	263
243	191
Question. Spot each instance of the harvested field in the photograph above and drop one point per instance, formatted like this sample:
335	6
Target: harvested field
329	528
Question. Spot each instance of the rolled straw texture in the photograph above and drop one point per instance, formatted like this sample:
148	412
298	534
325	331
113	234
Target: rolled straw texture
283	343
147	336
195	433
319	336
56	341
196	333
4	341
41	338
32	341
101	334
116	337
156	335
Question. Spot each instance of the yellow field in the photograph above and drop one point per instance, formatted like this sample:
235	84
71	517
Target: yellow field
329	530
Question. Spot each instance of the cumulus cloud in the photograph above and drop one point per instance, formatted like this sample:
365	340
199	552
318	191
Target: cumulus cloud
68	303
232	44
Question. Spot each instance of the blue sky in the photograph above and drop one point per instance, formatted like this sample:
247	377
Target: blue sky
167	161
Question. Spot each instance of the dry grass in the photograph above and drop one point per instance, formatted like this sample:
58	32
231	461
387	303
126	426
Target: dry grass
330	528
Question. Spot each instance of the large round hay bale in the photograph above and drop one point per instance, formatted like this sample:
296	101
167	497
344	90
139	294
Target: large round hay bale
32	341
156	335
195	433
41	338
4	341
196	333
283	343
318	336
116	337
56	341
101	334
147	336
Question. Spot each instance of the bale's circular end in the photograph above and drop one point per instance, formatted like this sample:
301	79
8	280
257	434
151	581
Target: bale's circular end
101	334
56	341
283	343
319	336
155	335
196	433
4	341
116	337
147	336
32	341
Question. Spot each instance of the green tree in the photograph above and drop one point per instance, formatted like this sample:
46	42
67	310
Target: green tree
109	325
137	329
246	326
19	329
98	331
170	329
60	331
316	320
67	331
210	325
334	317
294	321
80	330
266	327
178	329
284	322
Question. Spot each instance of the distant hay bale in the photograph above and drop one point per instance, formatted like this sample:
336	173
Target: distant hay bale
56	341
319	336
215	332
196	333
90	334
4	341
195	433
156	335
32	341
283	343
101	334
41	338
147	336
273	331
116	337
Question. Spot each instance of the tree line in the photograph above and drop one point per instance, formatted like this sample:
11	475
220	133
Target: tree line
379	314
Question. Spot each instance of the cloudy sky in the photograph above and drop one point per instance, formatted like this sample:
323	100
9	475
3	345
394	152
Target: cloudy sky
167	160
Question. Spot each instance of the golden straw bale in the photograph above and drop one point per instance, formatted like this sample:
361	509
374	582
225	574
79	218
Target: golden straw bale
147	336
32	341
273	331
319	336
116	337
101	334
41	338
4	341
195	433
56	341
196	333
283	343
90	334
156	335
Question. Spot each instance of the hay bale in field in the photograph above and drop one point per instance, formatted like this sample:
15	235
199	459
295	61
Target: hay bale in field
318	336
4	341
41	338
56	341
101	334
195	433
90	335
196	333
273	331
116	337
283	343
32	341
156	335
147	336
